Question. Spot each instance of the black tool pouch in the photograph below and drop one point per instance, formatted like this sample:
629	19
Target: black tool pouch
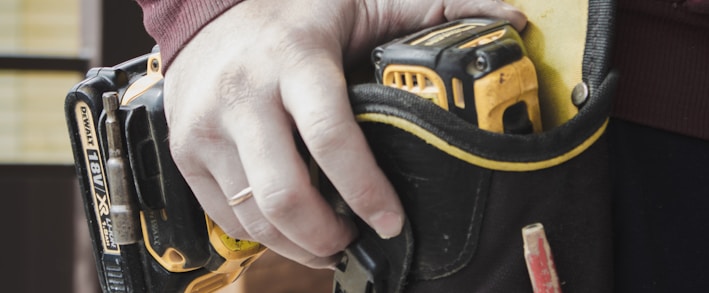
468	192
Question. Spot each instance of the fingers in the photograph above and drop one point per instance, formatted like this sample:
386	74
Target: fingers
260	228
395	18
223	179
289	207
456	9
214	171
253	96
229	130
316	97
204	185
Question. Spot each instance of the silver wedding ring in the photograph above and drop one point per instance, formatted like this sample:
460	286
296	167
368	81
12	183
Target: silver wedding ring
240	197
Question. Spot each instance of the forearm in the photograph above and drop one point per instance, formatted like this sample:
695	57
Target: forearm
172	23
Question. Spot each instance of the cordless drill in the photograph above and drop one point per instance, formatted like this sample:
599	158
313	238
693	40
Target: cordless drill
149	233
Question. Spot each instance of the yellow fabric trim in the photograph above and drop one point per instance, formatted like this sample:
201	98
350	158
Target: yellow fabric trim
555	39
454	151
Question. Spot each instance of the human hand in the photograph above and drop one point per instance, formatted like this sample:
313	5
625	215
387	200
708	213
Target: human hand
264	69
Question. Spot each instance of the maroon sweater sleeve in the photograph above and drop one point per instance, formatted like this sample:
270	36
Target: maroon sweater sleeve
172	23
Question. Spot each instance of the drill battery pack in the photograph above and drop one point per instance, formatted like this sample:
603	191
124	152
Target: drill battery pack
149	233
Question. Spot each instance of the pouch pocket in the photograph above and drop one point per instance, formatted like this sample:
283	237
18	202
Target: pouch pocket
468	193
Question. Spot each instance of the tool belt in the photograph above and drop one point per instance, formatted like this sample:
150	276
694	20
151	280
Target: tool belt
468	193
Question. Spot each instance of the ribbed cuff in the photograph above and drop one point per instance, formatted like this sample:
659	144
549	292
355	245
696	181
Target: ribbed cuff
173	23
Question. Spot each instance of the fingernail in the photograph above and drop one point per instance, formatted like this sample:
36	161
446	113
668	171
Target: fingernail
387	224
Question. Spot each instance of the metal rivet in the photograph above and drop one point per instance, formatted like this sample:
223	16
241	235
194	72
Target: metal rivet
481	63
580	94
155	65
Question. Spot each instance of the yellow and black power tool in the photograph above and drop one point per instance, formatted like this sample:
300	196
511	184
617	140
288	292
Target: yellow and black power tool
475	68
149	232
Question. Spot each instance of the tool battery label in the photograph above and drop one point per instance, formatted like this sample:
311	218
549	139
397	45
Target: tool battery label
96	176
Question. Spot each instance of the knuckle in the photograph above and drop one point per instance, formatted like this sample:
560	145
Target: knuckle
324	133
295	47
236	87
280	203
363	197
244	79
184	148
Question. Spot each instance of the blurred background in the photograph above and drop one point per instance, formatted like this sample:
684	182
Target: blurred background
46	46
